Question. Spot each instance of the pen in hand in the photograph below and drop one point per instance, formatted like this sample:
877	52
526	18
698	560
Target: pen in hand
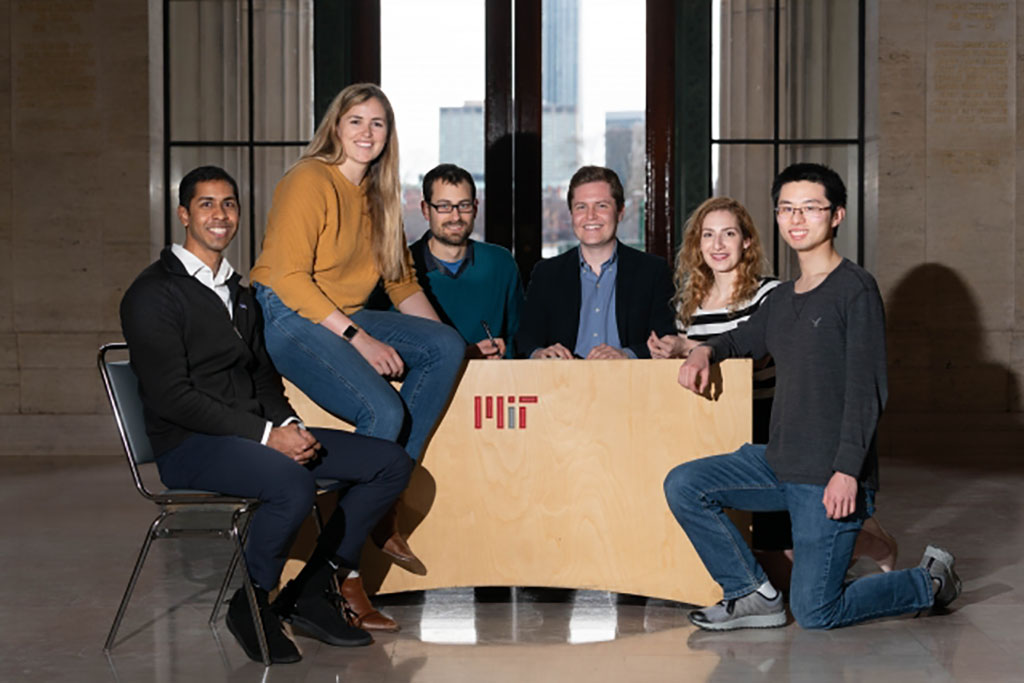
490	337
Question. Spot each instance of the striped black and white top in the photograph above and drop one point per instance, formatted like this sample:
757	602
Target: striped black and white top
707	324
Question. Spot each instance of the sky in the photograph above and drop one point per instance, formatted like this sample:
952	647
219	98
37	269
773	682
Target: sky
432	56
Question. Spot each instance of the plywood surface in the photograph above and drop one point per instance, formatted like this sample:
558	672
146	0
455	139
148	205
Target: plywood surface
573	498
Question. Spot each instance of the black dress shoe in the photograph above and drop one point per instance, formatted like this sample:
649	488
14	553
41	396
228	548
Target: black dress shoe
240	623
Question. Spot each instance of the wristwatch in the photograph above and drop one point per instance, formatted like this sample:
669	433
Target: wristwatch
350	332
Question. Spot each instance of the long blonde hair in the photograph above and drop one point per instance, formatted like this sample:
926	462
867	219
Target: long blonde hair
693	277
382	185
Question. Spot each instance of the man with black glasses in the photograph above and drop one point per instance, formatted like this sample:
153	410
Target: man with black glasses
473	286
826	333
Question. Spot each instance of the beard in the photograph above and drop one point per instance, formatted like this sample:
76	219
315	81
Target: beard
451	240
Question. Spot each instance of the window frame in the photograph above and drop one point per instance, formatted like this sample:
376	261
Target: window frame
346	49
777	141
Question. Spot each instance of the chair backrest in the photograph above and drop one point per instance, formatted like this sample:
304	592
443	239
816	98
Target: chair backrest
123	393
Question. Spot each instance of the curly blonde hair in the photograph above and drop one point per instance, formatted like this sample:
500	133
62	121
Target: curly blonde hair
382	184
693	278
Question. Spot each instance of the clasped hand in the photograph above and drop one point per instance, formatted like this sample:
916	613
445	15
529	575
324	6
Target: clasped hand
295	442
599	352
669	346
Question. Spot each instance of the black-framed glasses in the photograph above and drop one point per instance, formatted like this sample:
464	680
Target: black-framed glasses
786	213
445	207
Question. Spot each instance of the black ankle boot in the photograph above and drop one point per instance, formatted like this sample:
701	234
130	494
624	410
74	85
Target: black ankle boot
315	606
240	623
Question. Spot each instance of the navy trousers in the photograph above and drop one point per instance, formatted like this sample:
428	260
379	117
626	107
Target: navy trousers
377	470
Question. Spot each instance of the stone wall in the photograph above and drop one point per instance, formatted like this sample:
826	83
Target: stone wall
947	257
74	210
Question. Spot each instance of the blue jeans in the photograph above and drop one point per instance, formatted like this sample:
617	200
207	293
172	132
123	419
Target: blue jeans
377	469
332	373
697	493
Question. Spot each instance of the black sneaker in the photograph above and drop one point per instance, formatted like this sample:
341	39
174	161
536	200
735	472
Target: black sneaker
322	615
240	623
939	565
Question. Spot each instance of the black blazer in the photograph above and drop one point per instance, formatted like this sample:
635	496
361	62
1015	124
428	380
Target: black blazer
643	294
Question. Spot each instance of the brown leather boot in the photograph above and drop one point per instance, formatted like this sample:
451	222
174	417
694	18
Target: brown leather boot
360	612
387	537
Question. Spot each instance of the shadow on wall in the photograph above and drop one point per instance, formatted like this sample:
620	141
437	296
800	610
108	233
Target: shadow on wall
944	389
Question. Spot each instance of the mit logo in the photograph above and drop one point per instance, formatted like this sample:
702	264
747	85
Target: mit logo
501	409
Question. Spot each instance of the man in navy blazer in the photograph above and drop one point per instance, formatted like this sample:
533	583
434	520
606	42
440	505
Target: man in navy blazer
602	299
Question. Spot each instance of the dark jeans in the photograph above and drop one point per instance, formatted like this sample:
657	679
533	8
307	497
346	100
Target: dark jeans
378	471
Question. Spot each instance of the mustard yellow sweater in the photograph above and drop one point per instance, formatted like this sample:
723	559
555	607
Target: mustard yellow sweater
317	254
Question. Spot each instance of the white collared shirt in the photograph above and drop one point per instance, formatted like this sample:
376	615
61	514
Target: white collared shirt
217	283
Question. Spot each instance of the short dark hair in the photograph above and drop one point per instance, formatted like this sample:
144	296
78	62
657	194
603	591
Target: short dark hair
449	174
203	174
835	190
593	174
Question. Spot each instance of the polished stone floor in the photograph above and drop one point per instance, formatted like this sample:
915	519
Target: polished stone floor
70	530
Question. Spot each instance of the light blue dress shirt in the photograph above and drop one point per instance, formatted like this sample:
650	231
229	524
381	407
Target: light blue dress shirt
598	324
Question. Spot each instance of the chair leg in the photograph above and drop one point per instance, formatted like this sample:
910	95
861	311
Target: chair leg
123	607
318	518
249	591
230	573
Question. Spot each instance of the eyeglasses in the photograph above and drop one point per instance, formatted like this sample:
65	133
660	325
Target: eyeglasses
463	207
786	213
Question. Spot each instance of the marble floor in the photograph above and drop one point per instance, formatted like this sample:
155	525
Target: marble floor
70	530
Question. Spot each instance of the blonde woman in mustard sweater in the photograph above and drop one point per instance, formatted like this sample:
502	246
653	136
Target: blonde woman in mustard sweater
334	231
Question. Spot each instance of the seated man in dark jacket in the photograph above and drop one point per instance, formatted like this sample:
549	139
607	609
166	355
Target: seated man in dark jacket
218	420
601	299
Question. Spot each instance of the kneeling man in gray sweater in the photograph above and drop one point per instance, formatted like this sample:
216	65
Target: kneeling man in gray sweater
826	332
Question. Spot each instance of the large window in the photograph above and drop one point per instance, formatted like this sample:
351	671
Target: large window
593	100
238	79
683	100
787	86
437	91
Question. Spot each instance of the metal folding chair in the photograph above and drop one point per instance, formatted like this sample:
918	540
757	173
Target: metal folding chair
123	394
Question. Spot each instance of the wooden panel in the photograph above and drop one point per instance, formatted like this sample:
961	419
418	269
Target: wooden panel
572	497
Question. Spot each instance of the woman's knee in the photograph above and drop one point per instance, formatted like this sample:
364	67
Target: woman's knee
383	415
447	344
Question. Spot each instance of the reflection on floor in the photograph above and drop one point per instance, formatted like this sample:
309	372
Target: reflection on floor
71	529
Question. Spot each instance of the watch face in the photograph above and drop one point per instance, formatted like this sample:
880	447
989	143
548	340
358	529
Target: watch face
350	332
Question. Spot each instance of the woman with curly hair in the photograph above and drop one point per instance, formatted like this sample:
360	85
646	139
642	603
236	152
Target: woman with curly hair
333	233
719	284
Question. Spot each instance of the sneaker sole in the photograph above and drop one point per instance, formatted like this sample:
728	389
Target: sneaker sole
751	621
323	636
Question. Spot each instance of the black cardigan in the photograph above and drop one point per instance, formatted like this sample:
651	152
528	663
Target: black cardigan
643	293
199	372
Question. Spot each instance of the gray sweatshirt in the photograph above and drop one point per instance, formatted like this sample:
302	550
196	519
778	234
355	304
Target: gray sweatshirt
829	351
